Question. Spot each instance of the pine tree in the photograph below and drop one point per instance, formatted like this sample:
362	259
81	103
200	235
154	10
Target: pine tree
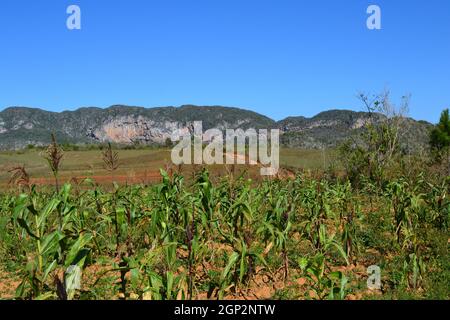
440	139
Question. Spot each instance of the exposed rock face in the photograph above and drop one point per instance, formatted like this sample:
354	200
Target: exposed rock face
2	126
134	125
130	130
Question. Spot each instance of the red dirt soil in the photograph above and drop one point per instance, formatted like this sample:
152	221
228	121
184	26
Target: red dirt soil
137	178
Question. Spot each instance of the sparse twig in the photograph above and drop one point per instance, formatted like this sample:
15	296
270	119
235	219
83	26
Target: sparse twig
110	160
19	176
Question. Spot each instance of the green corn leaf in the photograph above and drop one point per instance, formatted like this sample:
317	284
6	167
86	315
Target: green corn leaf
50	243
134	277
49	269
24	225
76	253
65	191
342	290
231	262
169	284
51	206
340	250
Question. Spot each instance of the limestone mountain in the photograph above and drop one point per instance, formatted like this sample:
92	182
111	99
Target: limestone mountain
329	128
21	126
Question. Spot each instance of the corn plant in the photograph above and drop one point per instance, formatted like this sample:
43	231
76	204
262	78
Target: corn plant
437	206
164	283
326	284
239	266
54	155
314	199
277	225
401	199
52	249
225	237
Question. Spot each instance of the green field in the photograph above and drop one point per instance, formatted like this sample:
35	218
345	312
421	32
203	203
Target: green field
135	166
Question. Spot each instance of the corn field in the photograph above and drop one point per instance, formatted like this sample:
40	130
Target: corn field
234	238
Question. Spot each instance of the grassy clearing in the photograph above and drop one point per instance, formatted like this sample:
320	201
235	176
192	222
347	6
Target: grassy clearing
135	166
84	164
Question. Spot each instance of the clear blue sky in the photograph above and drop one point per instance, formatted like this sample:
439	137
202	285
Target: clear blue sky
276	57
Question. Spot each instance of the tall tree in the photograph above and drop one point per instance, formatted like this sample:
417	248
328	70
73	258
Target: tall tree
440	138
